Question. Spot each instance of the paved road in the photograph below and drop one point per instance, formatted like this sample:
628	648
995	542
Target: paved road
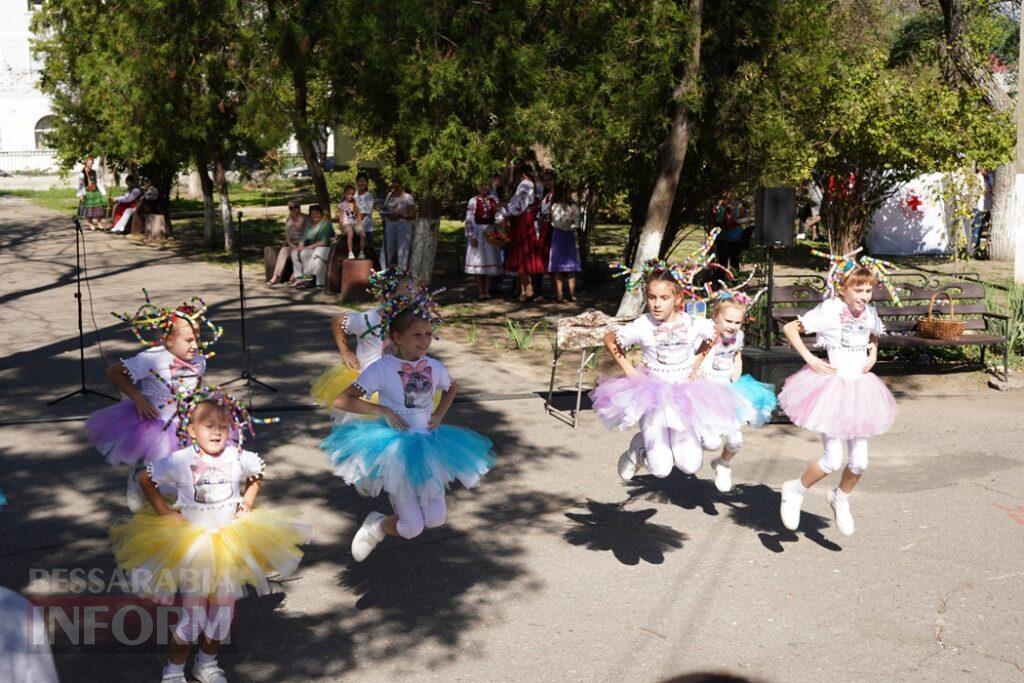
553	569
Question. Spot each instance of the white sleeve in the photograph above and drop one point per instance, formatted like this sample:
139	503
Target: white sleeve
139	365
704	328
369	380
357	323
575	217
739	341
470	216
631	334
81	185
252	465
819	318
521	199
878	327
442	380
164	473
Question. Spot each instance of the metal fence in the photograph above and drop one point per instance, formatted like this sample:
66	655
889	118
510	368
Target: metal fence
34	162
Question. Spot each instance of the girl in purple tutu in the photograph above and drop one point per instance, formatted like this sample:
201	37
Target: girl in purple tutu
840	398
141	428
675	412
564	259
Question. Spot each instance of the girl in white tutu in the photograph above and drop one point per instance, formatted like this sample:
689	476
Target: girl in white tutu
840	397
211	541
370	339
407	452
675	412
719	360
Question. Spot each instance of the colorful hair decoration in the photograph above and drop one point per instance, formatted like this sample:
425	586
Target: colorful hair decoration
150	318
421	305
735	293
841	266
384	283
683	273
187	402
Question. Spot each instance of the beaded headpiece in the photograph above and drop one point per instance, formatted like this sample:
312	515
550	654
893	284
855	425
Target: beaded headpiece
726	291
841	266
683	273
241	420
384	283
421	305
150	318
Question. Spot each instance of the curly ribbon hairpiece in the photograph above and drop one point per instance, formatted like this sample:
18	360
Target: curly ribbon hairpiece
735	293
384	283
683	273
150	318
241	419
422	305
843	265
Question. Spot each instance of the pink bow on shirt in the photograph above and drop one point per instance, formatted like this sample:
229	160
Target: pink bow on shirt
178	366
199	467
409	370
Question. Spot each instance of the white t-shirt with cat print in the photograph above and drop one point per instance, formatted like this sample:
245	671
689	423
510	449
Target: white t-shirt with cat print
407	387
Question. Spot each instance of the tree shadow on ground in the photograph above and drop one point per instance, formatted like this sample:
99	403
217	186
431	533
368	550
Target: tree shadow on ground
754	506
628	534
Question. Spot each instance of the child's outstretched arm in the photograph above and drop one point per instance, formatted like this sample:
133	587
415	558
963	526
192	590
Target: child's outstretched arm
340	338
872	354
792	330
119	377
699	357
612	344
351	401
737	367
152	494
443	405
252	489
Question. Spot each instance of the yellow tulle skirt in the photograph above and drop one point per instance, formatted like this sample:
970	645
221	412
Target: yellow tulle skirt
167	555
329	385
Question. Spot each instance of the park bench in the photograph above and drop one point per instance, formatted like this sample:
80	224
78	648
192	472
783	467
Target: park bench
790	301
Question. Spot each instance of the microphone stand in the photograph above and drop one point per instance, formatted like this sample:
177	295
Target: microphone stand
82	389
248	377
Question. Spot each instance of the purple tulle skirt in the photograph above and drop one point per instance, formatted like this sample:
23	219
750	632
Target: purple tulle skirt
564	257
704	408
841	407
123	438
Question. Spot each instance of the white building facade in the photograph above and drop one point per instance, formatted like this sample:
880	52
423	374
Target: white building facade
25	114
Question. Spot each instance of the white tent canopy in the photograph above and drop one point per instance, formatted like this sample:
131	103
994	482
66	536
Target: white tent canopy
913	221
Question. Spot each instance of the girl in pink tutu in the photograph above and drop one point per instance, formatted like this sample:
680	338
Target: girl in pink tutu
675	412
141	428
840	398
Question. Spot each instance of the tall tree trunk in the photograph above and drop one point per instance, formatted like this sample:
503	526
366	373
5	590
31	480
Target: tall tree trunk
1018	190
304	136
425	230
955	16
220	177
209	217
671	155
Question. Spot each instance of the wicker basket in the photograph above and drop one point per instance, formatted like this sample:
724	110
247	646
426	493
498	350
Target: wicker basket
936	328
496	235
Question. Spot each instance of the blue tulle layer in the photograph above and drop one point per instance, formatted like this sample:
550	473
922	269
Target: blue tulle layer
408	465
761	395
3	499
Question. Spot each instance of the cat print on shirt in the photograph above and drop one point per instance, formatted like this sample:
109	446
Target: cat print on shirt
212	484
672	342
724	354
417	384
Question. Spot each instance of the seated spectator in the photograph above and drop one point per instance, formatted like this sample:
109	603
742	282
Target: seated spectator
294	227
124	206
152	209
309	258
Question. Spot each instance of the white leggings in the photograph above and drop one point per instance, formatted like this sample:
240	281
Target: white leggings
412	516
732	442
311	261
668	447
200	615
833	460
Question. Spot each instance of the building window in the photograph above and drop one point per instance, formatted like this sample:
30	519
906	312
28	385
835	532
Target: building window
43	128
33	5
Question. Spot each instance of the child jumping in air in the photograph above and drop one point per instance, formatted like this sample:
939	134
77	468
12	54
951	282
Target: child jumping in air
840	398
211	541
676	413
407	451
719	360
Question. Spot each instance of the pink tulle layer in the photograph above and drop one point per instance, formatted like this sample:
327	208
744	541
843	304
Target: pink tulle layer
841	407
701	407
124	438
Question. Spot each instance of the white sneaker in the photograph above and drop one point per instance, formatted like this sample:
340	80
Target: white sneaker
209	673
351	255
801	236
173	678
368	536
629	462
841	512
362	254
723	475
133	492
792	500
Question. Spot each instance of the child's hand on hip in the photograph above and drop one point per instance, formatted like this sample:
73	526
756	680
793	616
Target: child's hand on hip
351	360
394	419
870	364
820	366
435	420
145	408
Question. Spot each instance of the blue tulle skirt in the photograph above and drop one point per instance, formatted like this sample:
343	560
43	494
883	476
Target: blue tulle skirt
761	395
3	499
408	465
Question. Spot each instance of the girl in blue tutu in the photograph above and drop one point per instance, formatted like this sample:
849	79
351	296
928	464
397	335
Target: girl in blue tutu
406	452
719	360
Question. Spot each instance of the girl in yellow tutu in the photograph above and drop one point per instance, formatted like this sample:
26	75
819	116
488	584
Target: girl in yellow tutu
370	342
210	542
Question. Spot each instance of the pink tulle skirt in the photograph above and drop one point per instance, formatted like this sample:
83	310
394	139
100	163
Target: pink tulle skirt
841	407
702	407
124	438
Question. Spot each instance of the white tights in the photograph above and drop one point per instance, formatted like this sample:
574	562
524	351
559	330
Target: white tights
833	459
732	442
412	516
209	617
668	447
